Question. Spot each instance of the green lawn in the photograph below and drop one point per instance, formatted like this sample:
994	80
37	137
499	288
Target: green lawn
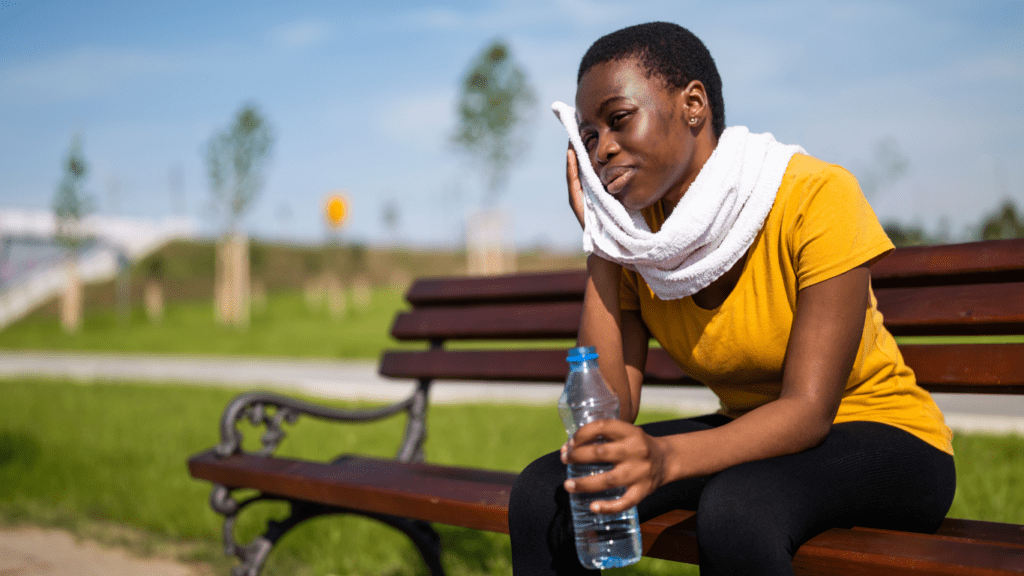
74	454
286	327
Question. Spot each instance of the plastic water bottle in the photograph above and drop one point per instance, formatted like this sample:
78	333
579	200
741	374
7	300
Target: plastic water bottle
602	540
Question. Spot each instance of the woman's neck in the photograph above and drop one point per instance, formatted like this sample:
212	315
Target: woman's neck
704	147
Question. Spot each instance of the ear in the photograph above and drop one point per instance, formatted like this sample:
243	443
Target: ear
694	100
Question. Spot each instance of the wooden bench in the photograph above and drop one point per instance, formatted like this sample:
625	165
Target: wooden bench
968	289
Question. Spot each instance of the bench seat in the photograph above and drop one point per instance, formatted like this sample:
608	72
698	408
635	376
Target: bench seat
478	499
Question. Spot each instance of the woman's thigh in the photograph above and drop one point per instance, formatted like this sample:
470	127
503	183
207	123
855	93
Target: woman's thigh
863	474
681	494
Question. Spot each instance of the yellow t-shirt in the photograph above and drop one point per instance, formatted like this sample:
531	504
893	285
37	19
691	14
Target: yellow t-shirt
819	227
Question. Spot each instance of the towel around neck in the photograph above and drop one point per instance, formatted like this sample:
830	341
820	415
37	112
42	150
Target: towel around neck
710	229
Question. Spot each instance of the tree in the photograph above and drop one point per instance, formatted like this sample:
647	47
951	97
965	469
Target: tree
907	235
236	160
70	205
495	104
391	217
1003	224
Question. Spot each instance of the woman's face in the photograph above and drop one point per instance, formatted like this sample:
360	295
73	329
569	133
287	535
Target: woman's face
637	132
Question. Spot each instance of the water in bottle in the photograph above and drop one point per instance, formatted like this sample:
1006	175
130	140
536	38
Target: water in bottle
602	540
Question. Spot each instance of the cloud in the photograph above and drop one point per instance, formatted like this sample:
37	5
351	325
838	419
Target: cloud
992	67
92	71
300	34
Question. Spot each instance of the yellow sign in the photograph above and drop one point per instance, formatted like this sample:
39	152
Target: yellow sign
337	209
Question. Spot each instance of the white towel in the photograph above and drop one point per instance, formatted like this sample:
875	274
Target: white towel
710	229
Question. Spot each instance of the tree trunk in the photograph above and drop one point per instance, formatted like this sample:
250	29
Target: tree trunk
153	300
71	298
231	281
336	301
487	249
361	292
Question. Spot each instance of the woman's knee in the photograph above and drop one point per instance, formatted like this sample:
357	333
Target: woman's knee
743	527
540	520
535	494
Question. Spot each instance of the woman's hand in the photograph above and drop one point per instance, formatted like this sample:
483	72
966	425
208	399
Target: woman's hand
639	461
572	180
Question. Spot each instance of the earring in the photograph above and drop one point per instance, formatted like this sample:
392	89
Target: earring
693	120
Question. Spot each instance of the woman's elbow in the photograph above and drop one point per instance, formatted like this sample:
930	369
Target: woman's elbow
817	427
813	425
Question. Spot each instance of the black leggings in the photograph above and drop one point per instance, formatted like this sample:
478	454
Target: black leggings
751	518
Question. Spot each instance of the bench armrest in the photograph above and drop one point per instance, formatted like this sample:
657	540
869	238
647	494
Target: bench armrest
274	410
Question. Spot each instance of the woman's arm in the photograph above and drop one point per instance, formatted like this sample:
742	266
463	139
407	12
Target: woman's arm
619	337
827	327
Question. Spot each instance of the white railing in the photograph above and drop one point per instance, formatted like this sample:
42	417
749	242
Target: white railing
134	238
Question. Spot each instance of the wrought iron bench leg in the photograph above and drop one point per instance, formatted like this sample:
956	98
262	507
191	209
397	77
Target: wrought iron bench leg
423	536
254	554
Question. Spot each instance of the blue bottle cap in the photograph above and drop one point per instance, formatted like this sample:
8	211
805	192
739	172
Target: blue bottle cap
581	354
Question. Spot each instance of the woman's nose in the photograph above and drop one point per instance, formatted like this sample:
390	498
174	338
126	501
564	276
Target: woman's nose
606	148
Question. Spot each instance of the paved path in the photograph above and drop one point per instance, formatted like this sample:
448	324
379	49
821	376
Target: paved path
27	551
359	380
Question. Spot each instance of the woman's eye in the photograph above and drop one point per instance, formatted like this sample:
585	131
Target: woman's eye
588	141
617	118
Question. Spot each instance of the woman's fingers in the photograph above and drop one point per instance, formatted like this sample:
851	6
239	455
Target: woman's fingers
629	498
604	441
637	461
606	430
608	451
635	491
572	180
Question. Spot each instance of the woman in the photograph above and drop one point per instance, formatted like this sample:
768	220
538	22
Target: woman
822	424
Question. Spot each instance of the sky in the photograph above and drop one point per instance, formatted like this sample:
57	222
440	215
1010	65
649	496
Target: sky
361	98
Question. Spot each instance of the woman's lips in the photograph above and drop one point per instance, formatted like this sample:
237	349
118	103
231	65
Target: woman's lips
616	178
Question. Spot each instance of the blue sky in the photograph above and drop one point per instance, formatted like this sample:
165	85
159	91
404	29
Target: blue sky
361	97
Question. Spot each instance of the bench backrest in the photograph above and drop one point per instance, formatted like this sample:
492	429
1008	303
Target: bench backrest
960	291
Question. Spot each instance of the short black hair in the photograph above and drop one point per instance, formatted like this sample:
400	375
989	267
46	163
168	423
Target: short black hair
667	50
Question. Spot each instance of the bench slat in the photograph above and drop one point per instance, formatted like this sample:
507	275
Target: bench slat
539	365
449	495
959	547
479	499
954	310
934	310
869	553
975	368
543	286
970	263
546	320
971	368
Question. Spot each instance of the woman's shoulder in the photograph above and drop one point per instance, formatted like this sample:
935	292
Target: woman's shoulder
803	167
806	177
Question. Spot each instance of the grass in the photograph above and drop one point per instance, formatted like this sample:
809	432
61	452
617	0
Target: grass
286	327
75	455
